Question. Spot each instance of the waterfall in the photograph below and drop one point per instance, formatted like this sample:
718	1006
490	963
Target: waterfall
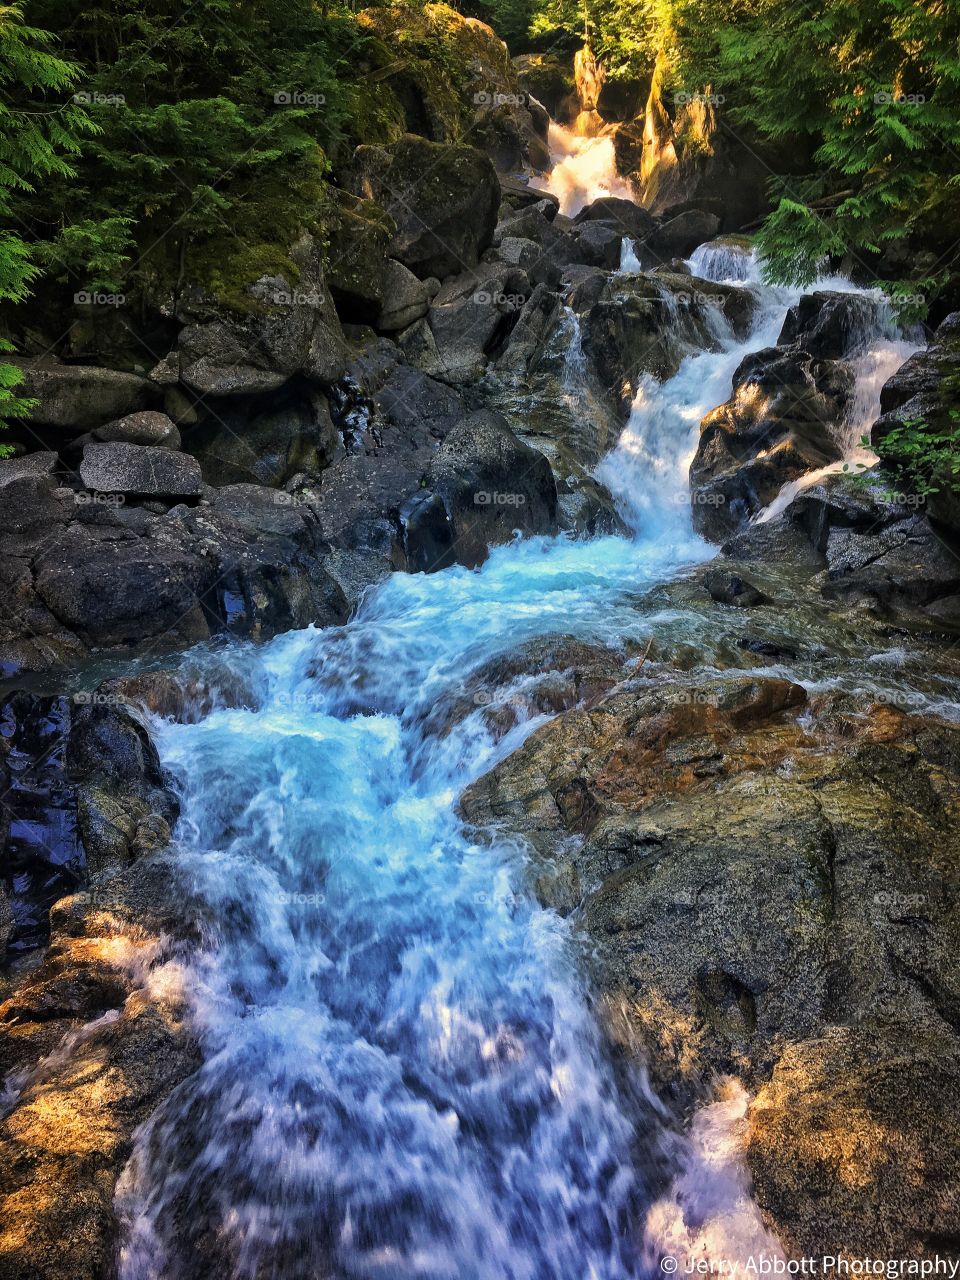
584	169
403	1074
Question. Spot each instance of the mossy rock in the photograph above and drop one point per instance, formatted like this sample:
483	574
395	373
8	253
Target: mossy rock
359	232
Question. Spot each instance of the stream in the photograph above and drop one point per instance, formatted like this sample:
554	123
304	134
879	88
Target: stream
404	1075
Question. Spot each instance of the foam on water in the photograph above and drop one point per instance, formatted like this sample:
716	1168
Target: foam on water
584	169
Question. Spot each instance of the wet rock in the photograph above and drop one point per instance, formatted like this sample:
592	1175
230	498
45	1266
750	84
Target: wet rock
830	325
68	1128
43	857
140	470
637	324
780	422
491	485
443	198
541	677
360	495
727	588
83	790
771	896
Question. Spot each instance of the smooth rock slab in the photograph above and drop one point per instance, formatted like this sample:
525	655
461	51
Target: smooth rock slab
142	470
146	427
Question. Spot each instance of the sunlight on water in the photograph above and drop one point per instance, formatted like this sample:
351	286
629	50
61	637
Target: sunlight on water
584	169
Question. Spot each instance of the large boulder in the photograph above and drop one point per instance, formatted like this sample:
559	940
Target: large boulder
766	884
288	326
782	420
145	471
76	398
145	427
491	485
443	198
831	325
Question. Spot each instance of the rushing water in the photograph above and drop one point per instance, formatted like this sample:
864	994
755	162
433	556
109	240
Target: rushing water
403	1076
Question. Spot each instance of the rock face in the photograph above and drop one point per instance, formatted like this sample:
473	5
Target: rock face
783	419
759	902
490	485
68	1126
443	198
83	791
831	325
143	470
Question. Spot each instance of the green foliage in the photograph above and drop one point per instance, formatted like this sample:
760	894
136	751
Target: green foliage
37	139
921	459
197	112
874	83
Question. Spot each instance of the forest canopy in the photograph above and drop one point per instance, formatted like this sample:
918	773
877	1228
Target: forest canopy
142	131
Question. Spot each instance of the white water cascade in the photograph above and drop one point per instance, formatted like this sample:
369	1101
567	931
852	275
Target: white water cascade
584	169
403	1077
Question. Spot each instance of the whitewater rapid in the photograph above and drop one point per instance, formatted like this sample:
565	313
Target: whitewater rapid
403	1074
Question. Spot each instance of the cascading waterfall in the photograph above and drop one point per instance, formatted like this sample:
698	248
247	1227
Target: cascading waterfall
584	169
403	1075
